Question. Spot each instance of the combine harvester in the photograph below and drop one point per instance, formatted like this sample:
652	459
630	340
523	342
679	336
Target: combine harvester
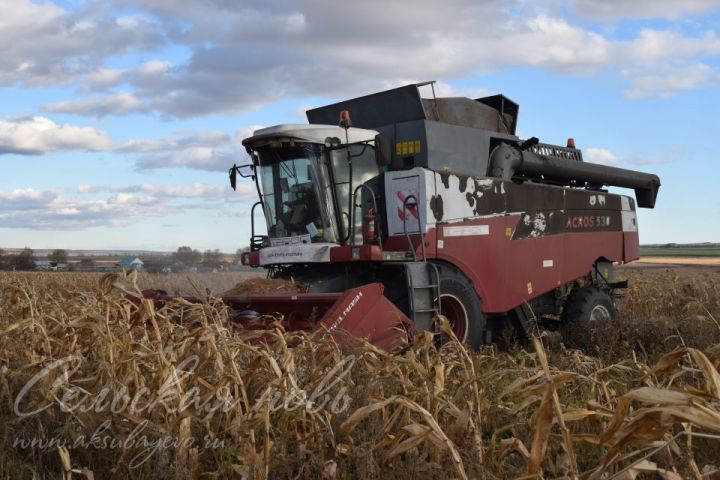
415	207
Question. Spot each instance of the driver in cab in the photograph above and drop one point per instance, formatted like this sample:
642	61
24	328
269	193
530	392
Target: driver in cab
301	212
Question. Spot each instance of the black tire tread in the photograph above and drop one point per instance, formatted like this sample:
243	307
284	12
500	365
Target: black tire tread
576	328
580	302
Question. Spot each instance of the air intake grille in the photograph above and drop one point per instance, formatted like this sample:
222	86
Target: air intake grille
547	150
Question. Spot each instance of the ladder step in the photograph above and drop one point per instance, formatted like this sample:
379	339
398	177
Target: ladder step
423	291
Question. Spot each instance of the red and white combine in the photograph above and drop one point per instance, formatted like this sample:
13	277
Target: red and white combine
412	207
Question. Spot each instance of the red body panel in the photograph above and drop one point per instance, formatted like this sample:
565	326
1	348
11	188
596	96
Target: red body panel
364	312
300	311
632	246
508	272
344	253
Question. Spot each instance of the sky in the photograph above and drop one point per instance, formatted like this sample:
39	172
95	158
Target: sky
120	119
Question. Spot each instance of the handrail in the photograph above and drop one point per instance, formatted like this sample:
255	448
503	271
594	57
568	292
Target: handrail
406	204
436	270
378	234
253	245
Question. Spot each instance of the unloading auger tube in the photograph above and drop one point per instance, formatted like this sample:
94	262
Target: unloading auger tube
508	162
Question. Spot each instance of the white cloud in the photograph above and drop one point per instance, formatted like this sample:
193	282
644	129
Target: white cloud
551	43
239	56
25	199
663	45
295	23
667	82
245	55
245	190
213	151
103	78
182	191
594	9
42	43
191	139
601	156
38	135
444	89
98	205
129	22
99	106
232	76
153	67
53	210
604	156
200	158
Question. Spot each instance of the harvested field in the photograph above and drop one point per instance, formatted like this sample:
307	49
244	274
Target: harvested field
93	385
670	260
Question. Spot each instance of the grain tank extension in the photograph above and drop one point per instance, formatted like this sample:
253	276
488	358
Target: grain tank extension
394	208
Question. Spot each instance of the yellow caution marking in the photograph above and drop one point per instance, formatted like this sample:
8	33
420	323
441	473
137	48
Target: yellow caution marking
407	148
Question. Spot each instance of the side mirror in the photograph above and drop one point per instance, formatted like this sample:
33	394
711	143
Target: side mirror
233	177
234	170
383	153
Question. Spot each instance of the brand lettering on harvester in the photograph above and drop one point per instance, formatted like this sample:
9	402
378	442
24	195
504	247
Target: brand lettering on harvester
588	221
345	312
284	254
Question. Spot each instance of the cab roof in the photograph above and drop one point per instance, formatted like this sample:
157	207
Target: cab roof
309	133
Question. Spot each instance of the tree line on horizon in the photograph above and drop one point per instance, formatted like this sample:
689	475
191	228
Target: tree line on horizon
185	256
25	259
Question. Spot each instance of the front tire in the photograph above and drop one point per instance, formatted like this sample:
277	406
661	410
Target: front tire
461	306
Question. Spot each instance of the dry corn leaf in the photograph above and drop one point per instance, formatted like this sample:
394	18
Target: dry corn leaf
712	377
660	395
543	424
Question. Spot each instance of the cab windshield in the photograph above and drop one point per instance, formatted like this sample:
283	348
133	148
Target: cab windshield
307	189
289	181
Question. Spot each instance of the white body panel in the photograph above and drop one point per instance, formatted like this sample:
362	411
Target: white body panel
418	182
426	185
629	217
455	205
298	253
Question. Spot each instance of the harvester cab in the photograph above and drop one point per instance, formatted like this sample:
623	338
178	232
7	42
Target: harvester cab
429	206
307	174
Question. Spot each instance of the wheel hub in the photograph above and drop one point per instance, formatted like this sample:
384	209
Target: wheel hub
600	315
457	315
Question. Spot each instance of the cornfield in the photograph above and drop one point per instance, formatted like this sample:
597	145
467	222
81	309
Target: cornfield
94	384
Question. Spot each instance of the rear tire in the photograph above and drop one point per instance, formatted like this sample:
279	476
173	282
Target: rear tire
462	306
588	312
